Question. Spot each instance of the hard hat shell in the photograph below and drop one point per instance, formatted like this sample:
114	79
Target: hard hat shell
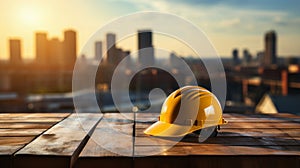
186	110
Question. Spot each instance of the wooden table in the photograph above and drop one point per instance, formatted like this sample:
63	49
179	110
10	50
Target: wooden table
116	140
19	129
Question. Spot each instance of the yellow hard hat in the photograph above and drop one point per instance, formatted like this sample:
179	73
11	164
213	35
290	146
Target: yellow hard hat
186	110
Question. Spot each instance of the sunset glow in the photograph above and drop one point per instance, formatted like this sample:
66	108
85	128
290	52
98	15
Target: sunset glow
228	24
29	15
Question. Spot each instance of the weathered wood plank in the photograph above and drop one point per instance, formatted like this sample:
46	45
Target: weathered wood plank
13	136
15	130
26	125
271	117
257	120
244	137
110	143
32	115
291	132
246	141
20	132
237	141
6	154
60	145
30	120
252	132
15	140
261	125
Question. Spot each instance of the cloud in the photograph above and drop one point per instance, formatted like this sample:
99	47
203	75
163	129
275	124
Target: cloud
279	21
286	21
230	23
231	18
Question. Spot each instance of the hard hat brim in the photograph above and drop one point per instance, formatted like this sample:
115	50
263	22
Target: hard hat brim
164	129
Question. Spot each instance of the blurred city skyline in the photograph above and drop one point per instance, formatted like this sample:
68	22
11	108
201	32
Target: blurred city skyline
228	24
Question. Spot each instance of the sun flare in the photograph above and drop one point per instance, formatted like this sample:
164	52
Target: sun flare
29	16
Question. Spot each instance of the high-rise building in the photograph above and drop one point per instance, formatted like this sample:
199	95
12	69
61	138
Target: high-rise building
145	47
69	47
55	51
15	51
174	60
98	50
235	56
111	52
246	56
110	40
128	58
41	48
270	48
260	57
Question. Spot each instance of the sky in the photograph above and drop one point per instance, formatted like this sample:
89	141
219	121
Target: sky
228	24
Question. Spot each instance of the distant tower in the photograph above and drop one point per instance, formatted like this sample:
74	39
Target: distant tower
128	60
145	47
41	48
246	56
260	57
98	50
111	48
174	60
69	47
55	51
270	48
235	56
15	51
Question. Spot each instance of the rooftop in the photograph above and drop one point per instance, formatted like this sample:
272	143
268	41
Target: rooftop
59	140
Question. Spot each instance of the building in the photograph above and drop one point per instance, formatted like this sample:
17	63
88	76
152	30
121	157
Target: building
111	48
272	104
128	59
55	51
246	56
145	48
98	50
260	57
175	61
270	56
50	72
15	51
69	47
41	48
235	56
15	78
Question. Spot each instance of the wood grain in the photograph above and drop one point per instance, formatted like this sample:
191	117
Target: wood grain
19	129
60	145
111	144
246	141
117	141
